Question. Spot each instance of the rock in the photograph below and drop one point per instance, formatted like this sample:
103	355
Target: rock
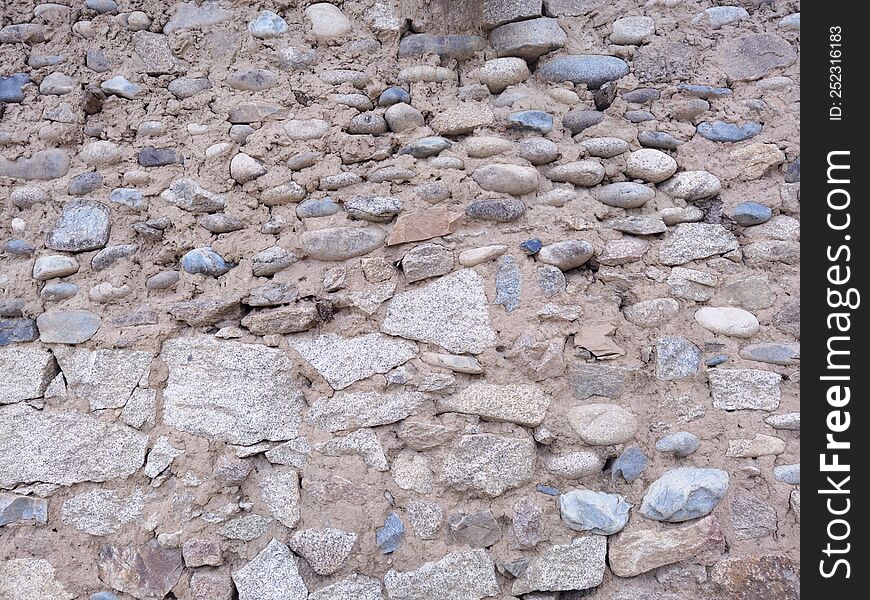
605	147
229	391
756	159
477	530
694	241
367	123
476	256
625	194
456	363
183	88
451	312
528	39
658	139
154	53
597	512
502	210
632	31
538	151
507	284
718	16
639	551
461	119
757	578
270	261
576	566
326	550
188	195
691	186
282	320
426	147
378	209
343	361
121	87
313	208
683	494
341	243
488	465
355	587
458	47
652	313
244	168
739	389
271	575
88	450
21	509
426	260
426	73
205	311
788	421
773	353
467	575
516	403
84	225
790	474
499	73
681	444
730	321
306	129
650	165
753	56
57	84
352	410
623	251
267	25
205	261
102	512
67	326
719	131
49	267
393	95
10	87
750	213
537	121
196	16
105	378
630	464
676	358
576	121
327	21
403	117
567	254
602	424
584	173
199	552
425	518
389	537
576	465
508	179
760	445
589	69
42	165
280	492
751	518
30	578
596	380
158	157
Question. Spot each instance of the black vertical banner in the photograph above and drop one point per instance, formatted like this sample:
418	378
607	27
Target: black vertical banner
834	271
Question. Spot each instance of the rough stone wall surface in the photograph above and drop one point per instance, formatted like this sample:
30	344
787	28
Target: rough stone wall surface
348	301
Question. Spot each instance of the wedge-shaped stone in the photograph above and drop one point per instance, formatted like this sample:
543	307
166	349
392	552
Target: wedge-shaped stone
64	447
230	391
452	312
343	361
466	575
272	575
352	410
25	372
575	566
105	378
521	404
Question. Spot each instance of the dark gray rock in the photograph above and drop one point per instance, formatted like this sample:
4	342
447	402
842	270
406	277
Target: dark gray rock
630	464
531	120
501	210
18	247
507	284
389	537
658	139
641	95
576	121
681	444
97	61
84	184
158	157
638	116
593	70
750	213
459	47
719	131
479	529
84	225
772	353
676	358
17	330
11	88
704	92
793	171
317	207
393	95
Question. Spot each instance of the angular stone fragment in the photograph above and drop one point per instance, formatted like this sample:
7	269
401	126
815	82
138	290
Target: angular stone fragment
352	410
282	320
638	551
84	225
760	445
280	490
751	518
451	312
206	311
488	465
683	494
477	530
575	566
463	118
102	512
145	572
500	210
390	536
355	587
468	575
515	403
426	260
21	509
744	389
188	195
458	47
25	372
676	358
30	579
652	313
597	512
596	380
757	578
229	391
694	241
363	443
64	447
271	575
567	254
105	378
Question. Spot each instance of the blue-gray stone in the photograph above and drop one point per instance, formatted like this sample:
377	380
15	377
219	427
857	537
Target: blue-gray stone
12	307
507	284
658	139
750	213
676	358
10	87
389	537
17	330
103	596
267	25
592	69
316	207
639	116
426	147
790	474
102	6
773	353
83	226
67	326
683	494
84	183
18	247
60	290
129	197
681	444
551	280
715	361
703	91
501	210
157	157
42	165
532	246
720	131
394	95
597	512
547	489
205	261
793	172
630	464
576	121
15	508
112	254
459	47
531	120
641	95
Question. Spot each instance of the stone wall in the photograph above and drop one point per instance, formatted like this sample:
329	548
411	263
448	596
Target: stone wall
314	301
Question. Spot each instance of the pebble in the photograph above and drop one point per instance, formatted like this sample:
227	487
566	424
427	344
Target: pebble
589	69
790	474
378	209
57	84
508	179
531	247
529	39
750	213
652	313
205	261
327	21
676	358
244	168
791	22
267	25
658	139
599	513
42	165
730	321
476	256
753	56
632	31
715	361
684	494
393	95
538	151
183	87
576	121
11	87
566	255
402	117
457	47
462	119
58	291
502	210
605	147
681	444
49	267
369	123
624	194
744	389
425	261
320	207
772	353
499	73
426	147
120	86
157	157
650	165
306	129
341	243
603	424
583	173
691	186
551	280
84	225
508	284
717	16
719	131
84	184
537	121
